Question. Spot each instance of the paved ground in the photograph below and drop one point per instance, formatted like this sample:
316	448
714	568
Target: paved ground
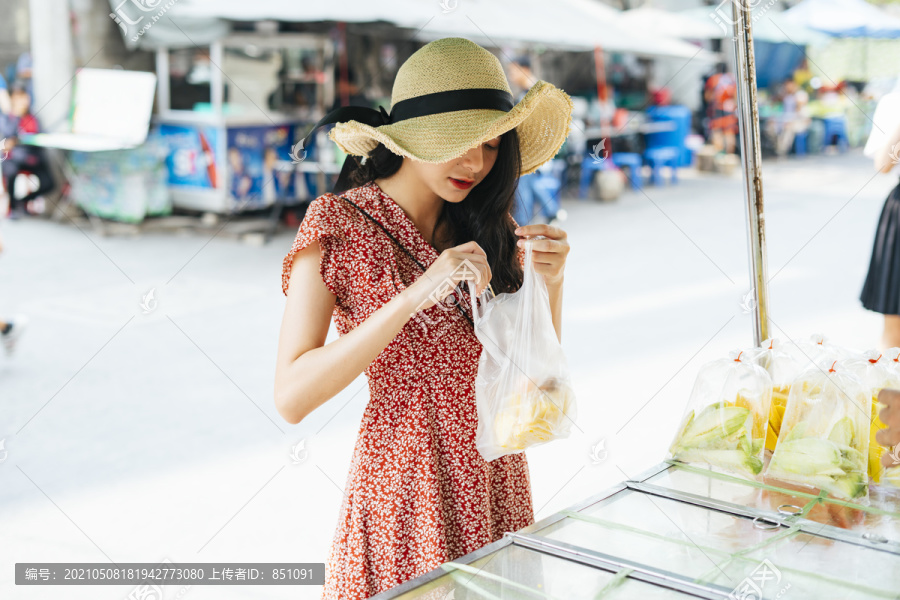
138	437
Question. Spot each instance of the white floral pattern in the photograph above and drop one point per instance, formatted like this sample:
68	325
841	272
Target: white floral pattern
418	493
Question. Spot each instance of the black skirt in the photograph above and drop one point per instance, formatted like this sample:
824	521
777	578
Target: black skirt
881	291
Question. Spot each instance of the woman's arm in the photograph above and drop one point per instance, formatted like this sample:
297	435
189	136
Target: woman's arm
308	372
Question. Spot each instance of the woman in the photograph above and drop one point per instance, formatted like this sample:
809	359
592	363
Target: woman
881	290
430	210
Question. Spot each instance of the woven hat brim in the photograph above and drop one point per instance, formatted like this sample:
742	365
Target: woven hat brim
542	119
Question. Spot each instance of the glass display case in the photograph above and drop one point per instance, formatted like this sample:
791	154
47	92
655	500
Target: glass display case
679	531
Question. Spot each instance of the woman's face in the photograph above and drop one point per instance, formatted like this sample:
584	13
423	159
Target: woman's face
447	180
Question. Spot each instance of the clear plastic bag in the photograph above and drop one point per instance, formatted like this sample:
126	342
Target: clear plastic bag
523	390
824	438
726	417
891	358
877	372
817	350
891	475
783	368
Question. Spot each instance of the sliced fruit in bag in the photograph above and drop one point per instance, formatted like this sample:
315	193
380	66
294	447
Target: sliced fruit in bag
726	419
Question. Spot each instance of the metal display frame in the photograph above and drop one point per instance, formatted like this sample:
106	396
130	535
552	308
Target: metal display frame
613	564
782	519
529	539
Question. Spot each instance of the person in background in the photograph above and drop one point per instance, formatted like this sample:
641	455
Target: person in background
661	97
881	290
529	189
11	329
23	74
721	93
701	117
22	158
803	77
831	101
794	118
4	110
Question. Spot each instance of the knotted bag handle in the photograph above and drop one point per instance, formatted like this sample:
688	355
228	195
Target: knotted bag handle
488	294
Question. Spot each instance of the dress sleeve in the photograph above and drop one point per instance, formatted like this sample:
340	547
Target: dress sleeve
323	222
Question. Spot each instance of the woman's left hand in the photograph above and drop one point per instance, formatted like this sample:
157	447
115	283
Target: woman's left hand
549	255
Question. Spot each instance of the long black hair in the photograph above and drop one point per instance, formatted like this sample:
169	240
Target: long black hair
483	216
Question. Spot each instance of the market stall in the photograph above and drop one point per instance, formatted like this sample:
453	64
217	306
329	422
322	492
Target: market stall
683	529
112	167
228	146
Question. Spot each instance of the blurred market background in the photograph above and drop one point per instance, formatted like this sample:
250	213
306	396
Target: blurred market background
151	156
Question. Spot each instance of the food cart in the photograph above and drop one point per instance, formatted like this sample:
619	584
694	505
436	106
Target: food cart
680	530
231	136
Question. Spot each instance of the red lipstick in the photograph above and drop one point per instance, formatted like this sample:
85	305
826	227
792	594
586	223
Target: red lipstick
461	184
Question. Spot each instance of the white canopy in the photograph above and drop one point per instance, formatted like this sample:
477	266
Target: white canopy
845	18
566	24
769	25
673	24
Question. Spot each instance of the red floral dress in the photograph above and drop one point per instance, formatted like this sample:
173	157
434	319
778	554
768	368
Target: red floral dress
418	493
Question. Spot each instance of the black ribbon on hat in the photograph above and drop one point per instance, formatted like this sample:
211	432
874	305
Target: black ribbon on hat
419	106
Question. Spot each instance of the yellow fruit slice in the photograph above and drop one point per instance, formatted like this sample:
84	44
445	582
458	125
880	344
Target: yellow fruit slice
776	415
533	416
759	422
875	449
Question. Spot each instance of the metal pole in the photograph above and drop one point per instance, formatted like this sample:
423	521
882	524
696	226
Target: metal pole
748	120
217	80
163	89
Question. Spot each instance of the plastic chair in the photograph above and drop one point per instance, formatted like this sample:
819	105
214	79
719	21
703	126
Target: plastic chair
634	162
588	167
836	129
657	158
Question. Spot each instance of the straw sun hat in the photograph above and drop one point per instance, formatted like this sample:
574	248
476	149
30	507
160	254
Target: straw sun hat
449	96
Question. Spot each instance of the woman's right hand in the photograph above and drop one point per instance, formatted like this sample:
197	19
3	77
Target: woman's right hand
460	263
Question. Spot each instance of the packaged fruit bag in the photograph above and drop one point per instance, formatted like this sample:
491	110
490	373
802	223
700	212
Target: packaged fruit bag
726	417
876	372
523	390
824	437
782	368
891	476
